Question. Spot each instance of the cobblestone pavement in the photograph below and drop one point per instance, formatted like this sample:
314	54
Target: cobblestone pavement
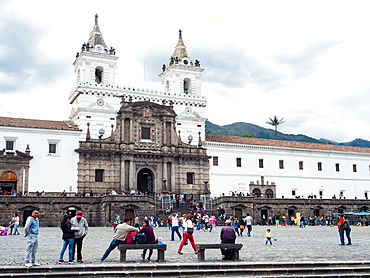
292	244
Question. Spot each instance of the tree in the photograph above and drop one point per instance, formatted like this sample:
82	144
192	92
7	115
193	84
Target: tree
275	121
249	134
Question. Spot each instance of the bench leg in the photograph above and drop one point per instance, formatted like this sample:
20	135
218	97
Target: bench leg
201	254
235	255
160	255
122	256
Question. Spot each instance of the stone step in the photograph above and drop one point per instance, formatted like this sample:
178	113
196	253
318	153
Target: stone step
237	269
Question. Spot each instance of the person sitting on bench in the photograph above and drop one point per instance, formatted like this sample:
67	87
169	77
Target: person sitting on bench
227	235
120	234
147	230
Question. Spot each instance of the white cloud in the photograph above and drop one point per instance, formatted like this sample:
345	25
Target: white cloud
304	61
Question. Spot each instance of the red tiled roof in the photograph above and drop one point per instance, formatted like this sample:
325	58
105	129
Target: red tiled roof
281	143
44	124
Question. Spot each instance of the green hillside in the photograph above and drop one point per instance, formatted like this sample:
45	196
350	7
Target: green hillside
240	129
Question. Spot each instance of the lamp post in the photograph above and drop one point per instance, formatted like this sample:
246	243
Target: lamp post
206	196
190	138
164	185
101	133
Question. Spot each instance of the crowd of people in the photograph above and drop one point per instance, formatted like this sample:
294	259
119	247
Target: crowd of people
75	229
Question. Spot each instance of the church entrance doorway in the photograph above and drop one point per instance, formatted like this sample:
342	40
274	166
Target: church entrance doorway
8	182
145	179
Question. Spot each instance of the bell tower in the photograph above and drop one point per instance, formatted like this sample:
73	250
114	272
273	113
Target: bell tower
94	98
181	81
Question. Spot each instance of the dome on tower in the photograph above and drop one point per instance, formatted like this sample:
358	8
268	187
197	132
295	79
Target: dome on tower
96	37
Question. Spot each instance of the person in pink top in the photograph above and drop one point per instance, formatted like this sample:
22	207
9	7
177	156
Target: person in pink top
213	222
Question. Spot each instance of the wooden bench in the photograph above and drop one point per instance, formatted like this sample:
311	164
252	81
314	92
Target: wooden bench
234	247
124	247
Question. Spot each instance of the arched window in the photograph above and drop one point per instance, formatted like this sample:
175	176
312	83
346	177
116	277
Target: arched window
8	181
269	193
256	192
167	87
99	75
187	86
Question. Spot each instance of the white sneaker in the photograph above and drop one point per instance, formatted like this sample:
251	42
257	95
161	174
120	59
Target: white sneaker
36	264
28	265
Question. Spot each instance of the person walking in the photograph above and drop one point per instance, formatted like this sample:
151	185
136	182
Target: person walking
175	227
188	234
15	221
137	222
31	231
341	229
80	222
248	222
213	222
227	235
120	234
236	225
68	236
148	231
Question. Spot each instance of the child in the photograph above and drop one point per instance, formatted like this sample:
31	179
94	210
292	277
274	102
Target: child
268	236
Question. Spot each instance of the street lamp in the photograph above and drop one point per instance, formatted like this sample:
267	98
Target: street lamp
164	185
190	138
101	133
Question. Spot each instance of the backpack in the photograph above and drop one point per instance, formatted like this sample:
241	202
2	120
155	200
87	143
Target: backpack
139	238
345	225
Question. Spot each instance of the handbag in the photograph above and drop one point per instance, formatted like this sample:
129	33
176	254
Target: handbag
190	230
345	225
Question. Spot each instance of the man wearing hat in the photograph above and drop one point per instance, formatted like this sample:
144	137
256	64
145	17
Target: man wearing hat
227	235
81	223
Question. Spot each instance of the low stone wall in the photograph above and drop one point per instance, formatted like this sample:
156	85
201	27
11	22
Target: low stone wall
99	211
257	207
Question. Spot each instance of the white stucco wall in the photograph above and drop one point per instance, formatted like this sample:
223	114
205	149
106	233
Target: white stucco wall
227	177
48	172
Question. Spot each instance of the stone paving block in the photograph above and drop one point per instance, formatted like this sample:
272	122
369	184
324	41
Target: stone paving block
293	244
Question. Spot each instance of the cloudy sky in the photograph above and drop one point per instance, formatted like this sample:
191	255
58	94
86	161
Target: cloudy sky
305	61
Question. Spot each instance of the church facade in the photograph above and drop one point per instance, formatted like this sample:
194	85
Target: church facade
124	138
145	154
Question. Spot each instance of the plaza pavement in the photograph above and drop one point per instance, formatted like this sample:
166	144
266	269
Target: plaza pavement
293	244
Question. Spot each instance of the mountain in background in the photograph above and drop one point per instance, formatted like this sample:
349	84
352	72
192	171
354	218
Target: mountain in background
240	129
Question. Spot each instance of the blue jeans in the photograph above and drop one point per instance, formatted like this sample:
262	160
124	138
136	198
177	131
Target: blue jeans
67	242
348	233
269	239
173	230
113	244
341	236
15	229
249	227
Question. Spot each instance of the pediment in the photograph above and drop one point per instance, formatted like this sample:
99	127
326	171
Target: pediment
94	106
193	115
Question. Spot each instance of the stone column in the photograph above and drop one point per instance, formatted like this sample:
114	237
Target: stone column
122	175
164	175
131	137
122	130
172	134
173	185
164	133
131	182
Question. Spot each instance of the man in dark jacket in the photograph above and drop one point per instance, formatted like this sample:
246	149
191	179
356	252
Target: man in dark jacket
227	235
